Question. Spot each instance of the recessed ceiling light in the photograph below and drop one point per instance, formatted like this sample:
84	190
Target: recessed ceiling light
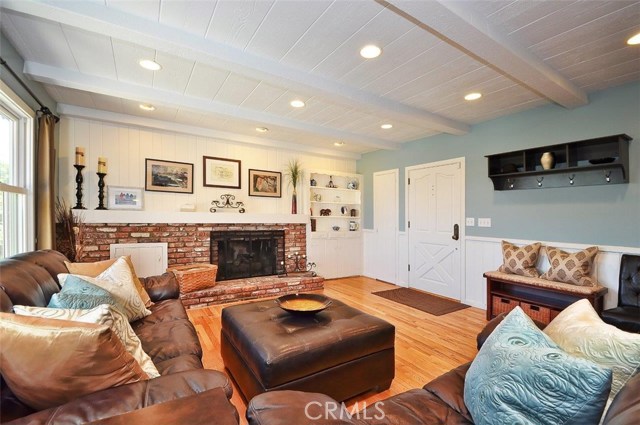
386	126
635	40
339	144
147	107
297	103
370	51
150	65
262	129
473	96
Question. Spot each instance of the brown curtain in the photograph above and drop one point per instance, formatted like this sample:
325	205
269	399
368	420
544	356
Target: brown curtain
45	187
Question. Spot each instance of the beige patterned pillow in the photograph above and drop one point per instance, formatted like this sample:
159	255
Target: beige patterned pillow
571	268
102	315
95	268
520	261
118	280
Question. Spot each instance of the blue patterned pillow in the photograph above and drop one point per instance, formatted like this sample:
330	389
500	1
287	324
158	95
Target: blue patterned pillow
77	293
520	376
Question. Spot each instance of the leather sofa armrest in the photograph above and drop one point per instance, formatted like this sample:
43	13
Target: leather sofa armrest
130	397
296	407
449	387
492	324
161	287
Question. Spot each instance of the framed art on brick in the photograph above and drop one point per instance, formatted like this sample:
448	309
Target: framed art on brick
168	176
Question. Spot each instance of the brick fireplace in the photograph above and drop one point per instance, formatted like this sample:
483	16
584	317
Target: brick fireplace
191	243
187	242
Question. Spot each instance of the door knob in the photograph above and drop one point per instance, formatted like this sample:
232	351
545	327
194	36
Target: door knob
456	230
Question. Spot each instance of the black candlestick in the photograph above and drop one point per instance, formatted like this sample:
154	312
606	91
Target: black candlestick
101	191
79	181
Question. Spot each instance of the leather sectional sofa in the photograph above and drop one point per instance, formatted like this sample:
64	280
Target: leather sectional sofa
440	402
167	336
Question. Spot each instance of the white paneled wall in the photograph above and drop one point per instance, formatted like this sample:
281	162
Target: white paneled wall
484	254
126	148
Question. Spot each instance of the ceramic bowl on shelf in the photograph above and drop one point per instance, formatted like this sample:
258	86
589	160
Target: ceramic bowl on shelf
336	228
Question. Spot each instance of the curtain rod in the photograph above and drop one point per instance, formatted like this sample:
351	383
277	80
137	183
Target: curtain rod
43	108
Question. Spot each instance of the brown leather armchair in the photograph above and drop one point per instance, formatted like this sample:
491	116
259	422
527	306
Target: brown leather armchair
626	315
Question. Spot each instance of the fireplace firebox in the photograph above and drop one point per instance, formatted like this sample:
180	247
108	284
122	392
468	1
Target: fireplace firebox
247	253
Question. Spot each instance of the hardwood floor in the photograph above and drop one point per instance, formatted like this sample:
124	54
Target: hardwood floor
426	345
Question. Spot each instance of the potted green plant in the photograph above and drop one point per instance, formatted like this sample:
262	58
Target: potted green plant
293	173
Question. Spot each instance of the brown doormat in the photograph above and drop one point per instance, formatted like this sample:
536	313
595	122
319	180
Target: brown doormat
422	301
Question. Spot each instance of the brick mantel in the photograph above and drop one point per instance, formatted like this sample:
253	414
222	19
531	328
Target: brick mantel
187	242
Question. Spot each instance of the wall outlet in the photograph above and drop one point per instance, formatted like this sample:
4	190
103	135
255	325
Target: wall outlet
484	222
470	221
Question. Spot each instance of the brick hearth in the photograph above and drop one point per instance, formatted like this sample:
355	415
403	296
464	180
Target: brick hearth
251	288
189	243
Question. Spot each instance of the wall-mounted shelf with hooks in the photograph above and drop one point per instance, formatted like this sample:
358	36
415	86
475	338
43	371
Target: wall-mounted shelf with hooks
600	161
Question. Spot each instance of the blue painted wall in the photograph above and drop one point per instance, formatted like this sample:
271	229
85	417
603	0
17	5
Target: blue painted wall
602	215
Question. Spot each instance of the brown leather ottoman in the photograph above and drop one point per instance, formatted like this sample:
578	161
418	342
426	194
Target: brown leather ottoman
341	351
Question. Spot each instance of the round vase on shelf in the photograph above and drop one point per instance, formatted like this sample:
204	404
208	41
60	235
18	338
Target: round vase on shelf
547	160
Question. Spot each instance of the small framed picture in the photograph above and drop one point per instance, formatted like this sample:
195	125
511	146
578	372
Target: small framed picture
124	198
168	176
265	183
221	172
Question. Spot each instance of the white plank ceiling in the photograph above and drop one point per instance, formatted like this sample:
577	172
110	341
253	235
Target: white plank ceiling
229	66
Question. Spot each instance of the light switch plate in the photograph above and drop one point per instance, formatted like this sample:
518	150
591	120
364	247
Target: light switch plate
484	222
471	221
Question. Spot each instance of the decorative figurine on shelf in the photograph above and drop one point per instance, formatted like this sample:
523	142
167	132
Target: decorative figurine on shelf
353	184
331	184
226	202
314	182
325	212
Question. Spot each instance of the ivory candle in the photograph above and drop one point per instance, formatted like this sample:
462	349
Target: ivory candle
102	164
79	156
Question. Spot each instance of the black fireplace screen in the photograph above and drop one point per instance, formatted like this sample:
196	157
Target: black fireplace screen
247	253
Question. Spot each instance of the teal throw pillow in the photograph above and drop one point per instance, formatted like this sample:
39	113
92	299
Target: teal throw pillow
520	376
77	293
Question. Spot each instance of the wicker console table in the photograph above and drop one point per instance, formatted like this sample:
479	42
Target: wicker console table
542	300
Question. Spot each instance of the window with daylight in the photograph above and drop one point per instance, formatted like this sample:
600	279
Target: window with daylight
17	224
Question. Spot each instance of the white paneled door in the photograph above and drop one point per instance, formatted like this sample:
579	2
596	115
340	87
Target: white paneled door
385	223
435	196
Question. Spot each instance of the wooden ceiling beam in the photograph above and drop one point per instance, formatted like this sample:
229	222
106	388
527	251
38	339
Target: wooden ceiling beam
458	25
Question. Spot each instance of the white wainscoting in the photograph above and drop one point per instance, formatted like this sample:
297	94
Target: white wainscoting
486	254
483	254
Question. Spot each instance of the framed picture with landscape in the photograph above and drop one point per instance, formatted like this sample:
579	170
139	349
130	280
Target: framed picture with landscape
124	198
221	172
265	183
168	176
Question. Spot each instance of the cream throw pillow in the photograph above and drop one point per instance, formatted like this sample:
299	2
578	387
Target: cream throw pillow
102	315
118	280
579	331
47	362
97	267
